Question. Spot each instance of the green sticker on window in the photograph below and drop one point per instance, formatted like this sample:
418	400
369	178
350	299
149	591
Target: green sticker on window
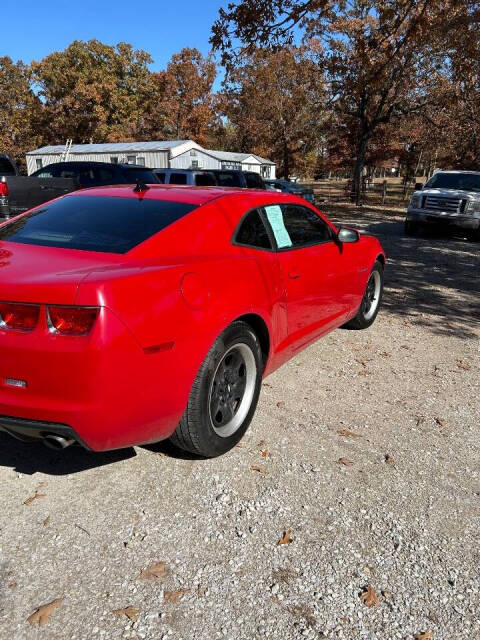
275	218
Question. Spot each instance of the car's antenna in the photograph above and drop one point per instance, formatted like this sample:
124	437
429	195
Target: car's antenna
141	186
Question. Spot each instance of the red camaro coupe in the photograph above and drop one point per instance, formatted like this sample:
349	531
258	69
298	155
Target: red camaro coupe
130	315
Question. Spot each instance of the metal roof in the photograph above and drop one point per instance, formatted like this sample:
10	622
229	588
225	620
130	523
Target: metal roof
237	157
110	147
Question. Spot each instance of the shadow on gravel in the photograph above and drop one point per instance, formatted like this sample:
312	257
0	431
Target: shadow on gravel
166	448
29	458
431	280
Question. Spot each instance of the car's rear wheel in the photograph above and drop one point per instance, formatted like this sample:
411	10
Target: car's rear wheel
224	394
372	297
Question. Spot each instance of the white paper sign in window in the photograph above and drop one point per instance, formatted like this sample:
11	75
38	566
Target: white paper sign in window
275	218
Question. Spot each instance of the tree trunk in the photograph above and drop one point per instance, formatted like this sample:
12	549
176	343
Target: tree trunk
358	169
286	159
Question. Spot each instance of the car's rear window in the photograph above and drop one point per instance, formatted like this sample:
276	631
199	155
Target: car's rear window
95	223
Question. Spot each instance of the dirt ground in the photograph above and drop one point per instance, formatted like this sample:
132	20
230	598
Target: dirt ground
364	452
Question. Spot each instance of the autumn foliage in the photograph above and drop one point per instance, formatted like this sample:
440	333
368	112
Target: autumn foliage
316	86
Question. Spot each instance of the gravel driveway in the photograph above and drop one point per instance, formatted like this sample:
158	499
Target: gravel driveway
363	458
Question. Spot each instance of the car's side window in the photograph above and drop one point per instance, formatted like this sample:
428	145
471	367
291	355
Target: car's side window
252	232
49	172
294	226
253	181
178	178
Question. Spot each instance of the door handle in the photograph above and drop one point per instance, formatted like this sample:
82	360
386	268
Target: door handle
294	274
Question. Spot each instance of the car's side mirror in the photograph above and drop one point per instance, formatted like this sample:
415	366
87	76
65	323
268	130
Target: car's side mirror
345	234
418	186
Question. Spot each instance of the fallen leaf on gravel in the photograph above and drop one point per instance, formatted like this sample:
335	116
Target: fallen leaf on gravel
369	597
286	539
281	404
362	372
388	458
43	613
259	469
175	596
386	594
441	421
155	570
461	364
261	444
161	454
46	521
266	453
345	461
130	612
32	499
12	585
426	635
348	434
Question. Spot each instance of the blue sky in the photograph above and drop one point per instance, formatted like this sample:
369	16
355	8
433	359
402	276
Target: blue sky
31	29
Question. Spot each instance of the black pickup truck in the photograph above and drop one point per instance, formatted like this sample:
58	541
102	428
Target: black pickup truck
19	193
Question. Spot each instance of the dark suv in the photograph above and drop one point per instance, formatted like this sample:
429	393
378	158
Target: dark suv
294	188
237	178
95	174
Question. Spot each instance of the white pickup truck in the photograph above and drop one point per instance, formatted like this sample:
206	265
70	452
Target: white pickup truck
449	198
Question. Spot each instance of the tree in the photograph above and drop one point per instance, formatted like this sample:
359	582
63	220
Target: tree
273	99
21	112
184	105
94	92
380	56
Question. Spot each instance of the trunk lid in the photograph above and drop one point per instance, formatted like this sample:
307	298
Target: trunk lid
46	275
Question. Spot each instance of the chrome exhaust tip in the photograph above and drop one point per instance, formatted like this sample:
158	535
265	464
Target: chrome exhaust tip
57	443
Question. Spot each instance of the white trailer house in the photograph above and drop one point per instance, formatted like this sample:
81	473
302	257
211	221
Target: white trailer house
199	158
163	154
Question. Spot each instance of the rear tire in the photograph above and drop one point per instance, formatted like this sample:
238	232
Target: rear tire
224	394
371	300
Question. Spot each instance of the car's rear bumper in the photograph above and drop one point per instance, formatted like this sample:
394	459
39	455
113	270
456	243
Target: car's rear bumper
35	430
104	389
421	216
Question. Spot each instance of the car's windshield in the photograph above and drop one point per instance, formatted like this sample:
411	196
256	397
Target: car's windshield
461	181
94	223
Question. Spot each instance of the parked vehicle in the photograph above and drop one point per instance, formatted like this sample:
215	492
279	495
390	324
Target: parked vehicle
211	177
19	193
8	166
450	199
128	316
239	179
95	174
294	188
192	177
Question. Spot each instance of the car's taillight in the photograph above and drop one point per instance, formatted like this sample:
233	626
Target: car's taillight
71	321
17	316
3	189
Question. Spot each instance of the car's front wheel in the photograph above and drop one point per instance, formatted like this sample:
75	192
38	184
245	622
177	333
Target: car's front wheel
224	394
372	297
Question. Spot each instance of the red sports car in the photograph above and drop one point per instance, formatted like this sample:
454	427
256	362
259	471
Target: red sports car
130	315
